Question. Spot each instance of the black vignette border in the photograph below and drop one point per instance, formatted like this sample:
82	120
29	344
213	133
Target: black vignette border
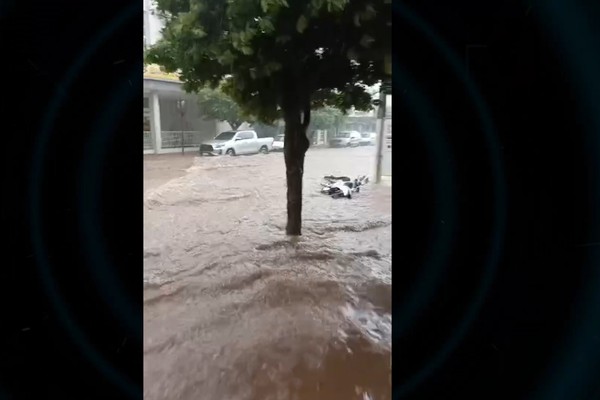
72	174
532	62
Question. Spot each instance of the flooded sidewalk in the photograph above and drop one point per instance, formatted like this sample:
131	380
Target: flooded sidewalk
161	168
233	309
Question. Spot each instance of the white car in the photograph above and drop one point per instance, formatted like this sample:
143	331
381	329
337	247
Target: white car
234	143
345	139
278	143
368	138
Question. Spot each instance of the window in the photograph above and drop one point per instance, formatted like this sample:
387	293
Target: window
146	114
225	135
246	135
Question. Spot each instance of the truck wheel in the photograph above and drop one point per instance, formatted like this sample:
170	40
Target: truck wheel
264	150
230	152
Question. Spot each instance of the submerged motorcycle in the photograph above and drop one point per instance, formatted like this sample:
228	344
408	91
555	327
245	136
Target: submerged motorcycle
342	186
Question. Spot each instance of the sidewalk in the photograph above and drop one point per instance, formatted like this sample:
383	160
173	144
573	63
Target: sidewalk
161	168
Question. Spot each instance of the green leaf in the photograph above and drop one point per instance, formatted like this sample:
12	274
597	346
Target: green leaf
336	5
226	58
177	27
250	33
247	50
301	24
266	25
264	5
235	39
198	33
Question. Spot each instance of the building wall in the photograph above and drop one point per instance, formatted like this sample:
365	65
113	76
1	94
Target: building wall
152	24
223	126
172	120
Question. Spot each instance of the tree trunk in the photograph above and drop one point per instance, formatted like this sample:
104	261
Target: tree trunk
296	120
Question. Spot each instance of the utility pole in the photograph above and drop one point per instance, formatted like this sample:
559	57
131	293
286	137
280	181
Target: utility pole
381	110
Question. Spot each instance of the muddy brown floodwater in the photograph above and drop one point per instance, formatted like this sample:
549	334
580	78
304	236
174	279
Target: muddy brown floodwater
235	310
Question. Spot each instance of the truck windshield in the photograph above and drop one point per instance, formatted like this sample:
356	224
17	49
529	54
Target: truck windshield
279	138
225	135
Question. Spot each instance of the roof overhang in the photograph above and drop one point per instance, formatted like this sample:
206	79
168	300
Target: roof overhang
163	86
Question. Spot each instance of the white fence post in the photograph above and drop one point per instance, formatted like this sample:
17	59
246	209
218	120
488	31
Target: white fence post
155	122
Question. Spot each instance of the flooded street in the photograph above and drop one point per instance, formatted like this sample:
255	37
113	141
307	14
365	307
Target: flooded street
233	309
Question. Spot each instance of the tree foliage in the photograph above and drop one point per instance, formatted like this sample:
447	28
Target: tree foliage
279	59
214	104
330	48
326	118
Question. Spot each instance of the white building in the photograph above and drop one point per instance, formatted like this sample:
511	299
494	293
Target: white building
168	126
152	24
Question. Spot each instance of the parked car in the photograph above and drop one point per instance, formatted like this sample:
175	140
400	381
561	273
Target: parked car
237	142
345	139
368	138
278	143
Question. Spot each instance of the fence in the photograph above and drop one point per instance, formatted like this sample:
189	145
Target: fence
148	140
172	139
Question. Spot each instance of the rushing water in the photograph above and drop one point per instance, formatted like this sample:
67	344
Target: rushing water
235	310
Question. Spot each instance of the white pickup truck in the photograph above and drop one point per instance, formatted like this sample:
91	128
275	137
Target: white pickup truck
237	142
